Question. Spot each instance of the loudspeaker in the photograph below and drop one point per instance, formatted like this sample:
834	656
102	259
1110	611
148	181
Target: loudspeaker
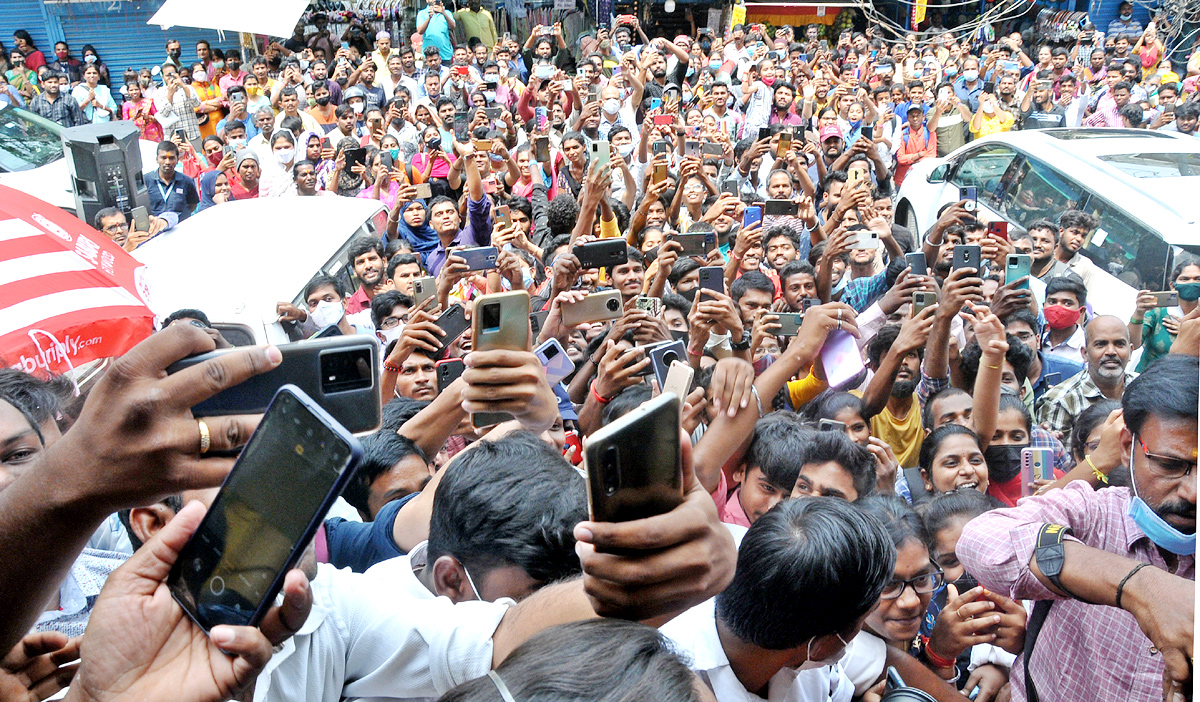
105	163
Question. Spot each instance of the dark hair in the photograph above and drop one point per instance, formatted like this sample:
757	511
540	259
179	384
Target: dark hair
1091	417
401	259
186	313
836	447
114	211
561	213
677	302
167	147
778	448
899	519
1018	355
780	231
510	502
383	304
751	280
1066	283
399	410
381	452
681	268
363	245
941	509
39	400
559	665
1168	388
815	550
830	404
795	267
933	441
625	402
927	418
1025	317
882	342
1077	218
320	280
1012	403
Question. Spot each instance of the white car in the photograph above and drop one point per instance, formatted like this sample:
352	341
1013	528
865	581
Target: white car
1138	183
235	261
32	161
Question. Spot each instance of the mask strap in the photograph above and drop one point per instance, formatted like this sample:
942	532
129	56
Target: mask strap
500	686
1132	478
480	598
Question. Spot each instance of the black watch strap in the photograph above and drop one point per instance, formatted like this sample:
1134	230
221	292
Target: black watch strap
743	344
1050	554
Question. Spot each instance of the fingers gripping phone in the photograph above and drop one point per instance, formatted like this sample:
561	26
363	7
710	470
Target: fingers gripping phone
967	256
454	322
634	464
1017	266
500	322
448	370
285	480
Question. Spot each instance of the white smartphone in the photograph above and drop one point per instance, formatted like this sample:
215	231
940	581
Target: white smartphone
554	361
679	379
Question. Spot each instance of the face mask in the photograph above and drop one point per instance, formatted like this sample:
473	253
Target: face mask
970	76
1059	317
715	65
303	65
953	70
327	313
174	53
61	54
1003	462
199	76
90	58
612	106
387	336
824	662
1126	17
489	95
218	65
965	582
144	82
769	81
395	153
357	107
254	90
215	158
1188	291
988	108
285	155
689	295
238	144
626	151
323	100
1162	534
491	79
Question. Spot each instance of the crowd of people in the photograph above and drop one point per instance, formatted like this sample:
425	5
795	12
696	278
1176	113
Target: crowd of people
856	436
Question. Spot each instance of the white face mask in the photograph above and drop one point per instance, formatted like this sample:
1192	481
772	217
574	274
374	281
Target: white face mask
285	155
357	107
810	664
199	76
327	313
387	336
988	108
612	106
626	150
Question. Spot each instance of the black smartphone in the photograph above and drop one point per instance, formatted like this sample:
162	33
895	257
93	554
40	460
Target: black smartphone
541	146
602	253
1052	379
764	133
634	464
326	332
354	156
868	131
712	278
663	355
454	322
967	256
292	470
693	244
340	373
536	321
448	370
831	425
182	134
780	208
916	261
479	258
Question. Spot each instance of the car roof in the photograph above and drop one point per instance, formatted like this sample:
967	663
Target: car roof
1161	203
236	260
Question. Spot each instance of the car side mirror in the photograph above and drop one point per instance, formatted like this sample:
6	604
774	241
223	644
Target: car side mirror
938	175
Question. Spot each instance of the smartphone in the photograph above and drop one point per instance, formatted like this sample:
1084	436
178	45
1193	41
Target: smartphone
691	148
729	186
182	134
660	147
1052	379
807	302
764	133
326	332
554	361
597	307
536	321
540	119
789	323
679	380
693	244
841	358
454	322
969	194
715	150
634	464
141	219
261	522
385	160
785	142
652	305
1010	66
423	289
602	253
967	256
541	149
824	45
493	113
341	373
660	172
503	217
866	239
831	425
1036	464
600	152
460	122
655	103
1017	266
998	229
664	120
544	71
712	278
354	156
500	322
448	370
1169	298
780	208
593	93
921	300
479	258
916	261
751	215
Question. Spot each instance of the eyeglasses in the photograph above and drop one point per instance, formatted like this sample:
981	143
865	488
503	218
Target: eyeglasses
1168	467
393	322
921	584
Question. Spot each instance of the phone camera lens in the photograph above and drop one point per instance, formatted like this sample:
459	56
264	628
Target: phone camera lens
613	305
611	469
669	358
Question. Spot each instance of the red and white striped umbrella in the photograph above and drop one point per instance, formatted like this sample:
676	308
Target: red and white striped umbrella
68	294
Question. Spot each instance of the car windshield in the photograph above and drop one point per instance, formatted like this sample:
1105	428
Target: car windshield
27	141
1155	165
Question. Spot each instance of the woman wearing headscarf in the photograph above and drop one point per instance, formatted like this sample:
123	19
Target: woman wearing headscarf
347	182
410	221
214	190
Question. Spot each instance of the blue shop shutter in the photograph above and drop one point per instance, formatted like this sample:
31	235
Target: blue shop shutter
121	36
27	15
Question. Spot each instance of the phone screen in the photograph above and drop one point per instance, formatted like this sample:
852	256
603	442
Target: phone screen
236	559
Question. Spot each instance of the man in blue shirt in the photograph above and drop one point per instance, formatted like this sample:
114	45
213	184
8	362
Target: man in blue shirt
171	191
435	24
1047	369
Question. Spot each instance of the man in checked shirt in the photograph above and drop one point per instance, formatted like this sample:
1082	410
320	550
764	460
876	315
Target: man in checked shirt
1130	549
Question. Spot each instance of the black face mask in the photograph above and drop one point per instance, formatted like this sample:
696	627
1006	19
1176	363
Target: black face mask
174	53
323	100
965	582
1003	462
689	295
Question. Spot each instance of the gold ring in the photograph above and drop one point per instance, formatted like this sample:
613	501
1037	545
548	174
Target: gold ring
205	437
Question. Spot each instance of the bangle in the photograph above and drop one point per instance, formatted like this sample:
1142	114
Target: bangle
697	354
391	367
599	398
757	400
1096	471
1121	585
734	256
993	367
937	660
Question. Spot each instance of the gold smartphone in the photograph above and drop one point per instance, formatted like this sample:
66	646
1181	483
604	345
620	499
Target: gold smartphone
597	307
500	322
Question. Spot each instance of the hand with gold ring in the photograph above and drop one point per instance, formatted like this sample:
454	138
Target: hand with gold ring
966	620
205	437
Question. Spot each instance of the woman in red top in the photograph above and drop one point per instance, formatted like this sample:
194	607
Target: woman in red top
34	59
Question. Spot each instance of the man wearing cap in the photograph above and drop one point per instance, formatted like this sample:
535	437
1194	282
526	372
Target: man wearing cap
383	49
916	142
244	183
477	23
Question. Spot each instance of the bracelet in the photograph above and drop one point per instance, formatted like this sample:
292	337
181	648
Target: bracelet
697	354
1096	471
757	400
391	367
1121	585
937	660
734	256
992	367
598	397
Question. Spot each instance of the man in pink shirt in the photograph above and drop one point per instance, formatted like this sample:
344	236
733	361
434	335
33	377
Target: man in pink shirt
235	76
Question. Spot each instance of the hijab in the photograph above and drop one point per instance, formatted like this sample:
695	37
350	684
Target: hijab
208	188
423	239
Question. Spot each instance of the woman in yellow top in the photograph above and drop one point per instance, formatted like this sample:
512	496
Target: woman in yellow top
991	117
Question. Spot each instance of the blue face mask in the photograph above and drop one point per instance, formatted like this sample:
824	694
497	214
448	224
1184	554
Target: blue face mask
1160	532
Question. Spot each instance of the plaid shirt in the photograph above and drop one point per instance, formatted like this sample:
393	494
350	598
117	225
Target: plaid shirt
861	292
64	110
184	105
1061	404
1084	651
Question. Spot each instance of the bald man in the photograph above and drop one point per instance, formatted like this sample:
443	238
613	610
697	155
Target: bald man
1106	351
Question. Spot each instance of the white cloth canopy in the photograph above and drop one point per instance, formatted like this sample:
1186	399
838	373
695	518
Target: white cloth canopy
275	18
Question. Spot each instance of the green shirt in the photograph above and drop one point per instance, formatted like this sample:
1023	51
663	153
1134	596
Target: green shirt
477	24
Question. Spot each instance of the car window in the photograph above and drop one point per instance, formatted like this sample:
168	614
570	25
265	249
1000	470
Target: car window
1125	247
1155	165
984	169
1038	192
26	142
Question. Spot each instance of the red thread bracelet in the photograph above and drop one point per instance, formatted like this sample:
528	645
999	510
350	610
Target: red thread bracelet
936	659
599	398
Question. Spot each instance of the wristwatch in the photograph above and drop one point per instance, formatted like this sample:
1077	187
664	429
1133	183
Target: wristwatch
743	344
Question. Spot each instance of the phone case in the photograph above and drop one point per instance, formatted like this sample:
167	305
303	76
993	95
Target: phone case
454	322
916	261
604	253
423	289
653	305
866	239
693	244
554	361
966	256
192	558
663	355
500	321
448	370
1018	266
423	191
841	358
339	372
597	307
679	380
634	464
752	215
601	152
777	208
712	278
789	323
